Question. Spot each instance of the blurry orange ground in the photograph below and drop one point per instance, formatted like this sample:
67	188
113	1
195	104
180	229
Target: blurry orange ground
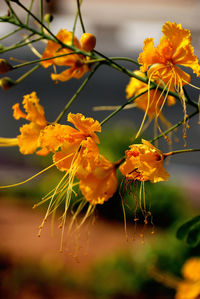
19	227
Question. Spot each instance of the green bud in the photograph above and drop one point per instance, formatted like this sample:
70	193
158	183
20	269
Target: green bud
48	18
6	83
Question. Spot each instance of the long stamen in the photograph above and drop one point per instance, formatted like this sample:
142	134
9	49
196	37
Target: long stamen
147	108
104	108
37	174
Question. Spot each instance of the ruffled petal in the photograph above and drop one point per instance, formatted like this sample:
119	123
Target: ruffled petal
54	136
85	125
144	162
177	36
35	112
149	55
28	140
17	112
62	161
96	190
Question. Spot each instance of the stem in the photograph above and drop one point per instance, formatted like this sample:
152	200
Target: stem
80	16
131	74
39	60
75	23
41	15
48	37
12	11
11	33
20	45
190	102
34	17
181	152
28	15
76	94
27	74
174	127
122	106
61	55
113	58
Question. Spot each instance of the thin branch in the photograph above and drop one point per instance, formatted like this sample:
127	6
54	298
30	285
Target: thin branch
20	45
19	80
76	94
174	127
11	33
122	106
41	16
40	60
28	14
181	152
79	14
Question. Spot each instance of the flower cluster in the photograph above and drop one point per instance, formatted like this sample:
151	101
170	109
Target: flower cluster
73	146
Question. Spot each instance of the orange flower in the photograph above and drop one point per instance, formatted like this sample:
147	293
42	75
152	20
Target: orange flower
75	151
100	183
144	162
161	63
28	140
66	141
75	62
151	101
190	287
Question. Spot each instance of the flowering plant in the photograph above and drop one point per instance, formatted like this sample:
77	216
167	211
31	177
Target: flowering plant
159	79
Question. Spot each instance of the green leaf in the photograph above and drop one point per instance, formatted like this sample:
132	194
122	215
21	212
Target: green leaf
193	237
190	231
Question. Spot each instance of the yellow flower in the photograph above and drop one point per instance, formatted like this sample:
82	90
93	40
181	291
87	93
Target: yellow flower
151	101
75	62
28	140
161	63
144	162
99	183
190	287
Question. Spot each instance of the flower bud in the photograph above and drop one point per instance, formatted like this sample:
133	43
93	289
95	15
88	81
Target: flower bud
48	18
5	66
6	83
88	41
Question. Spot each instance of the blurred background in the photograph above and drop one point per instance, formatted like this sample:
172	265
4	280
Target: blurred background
105	265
